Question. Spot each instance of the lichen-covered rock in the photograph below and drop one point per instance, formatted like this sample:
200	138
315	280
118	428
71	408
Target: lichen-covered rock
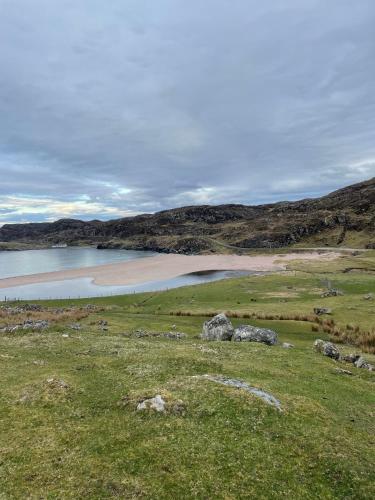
362	363
218	328
157	403
327	349
248	333
350	358
318	345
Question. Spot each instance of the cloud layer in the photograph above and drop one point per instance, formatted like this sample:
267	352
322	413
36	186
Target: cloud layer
128	106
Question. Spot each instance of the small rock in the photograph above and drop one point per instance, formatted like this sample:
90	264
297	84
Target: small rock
61	384
174	335
286	345
327	349
75	326
157	403
332	292
350	358
218	328
369	296
343	372
65	335
362	363
248	333
322	310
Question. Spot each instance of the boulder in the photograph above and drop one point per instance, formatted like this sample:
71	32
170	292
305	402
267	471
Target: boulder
327	349
218	328
248	333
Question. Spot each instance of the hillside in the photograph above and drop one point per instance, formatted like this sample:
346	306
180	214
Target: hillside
344	217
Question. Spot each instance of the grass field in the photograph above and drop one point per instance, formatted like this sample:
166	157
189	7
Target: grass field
70	428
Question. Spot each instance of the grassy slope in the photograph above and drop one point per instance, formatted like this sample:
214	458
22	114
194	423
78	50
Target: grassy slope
81	443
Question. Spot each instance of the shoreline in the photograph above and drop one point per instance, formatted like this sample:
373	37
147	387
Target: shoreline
166	266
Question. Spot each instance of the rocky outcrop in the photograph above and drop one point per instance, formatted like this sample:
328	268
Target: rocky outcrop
218	328
248	333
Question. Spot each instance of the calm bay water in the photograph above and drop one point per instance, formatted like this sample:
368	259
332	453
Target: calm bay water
57	259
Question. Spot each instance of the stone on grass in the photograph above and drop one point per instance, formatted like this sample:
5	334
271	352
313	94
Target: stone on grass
340	371
322	310
218	328
362	363
350	358
327	349
239	384
248	333
286	345
332	292
157	403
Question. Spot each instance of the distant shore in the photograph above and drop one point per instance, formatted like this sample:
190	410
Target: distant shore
167	266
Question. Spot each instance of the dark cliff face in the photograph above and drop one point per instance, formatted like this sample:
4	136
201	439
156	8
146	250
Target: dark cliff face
196	229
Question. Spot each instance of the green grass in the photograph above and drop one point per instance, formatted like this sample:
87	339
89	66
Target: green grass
85	442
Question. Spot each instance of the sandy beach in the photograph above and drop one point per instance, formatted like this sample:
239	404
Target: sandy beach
166	266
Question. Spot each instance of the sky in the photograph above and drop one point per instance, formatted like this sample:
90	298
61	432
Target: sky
113	108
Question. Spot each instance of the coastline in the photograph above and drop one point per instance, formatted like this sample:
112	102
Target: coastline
166	266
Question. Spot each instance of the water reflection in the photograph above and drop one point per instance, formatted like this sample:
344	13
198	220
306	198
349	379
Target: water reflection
83	287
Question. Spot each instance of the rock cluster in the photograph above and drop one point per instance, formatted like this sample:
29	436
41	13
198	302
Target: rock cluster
27	325
330	350
220	328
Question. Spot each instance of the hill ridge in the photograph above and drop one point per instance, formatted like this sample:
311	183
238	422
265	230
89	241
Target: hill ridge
343	216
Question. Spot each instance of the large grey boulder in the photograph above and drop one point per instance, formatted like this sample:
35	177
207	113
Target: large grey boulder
327	349
248	333
218	328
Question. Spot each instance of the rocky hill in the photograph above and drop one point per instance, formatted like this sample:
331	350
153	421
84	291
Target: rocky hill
344	217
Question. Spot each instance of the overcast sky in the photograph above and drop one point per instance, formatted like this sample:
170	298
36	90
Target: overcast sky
109	108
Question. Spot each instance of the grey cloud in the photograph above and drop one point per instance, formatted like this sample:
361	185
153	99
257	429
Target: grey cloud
144	105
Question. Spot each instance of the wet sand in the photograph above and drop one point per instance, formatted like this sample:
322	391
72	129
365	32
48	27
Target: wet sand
167	266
